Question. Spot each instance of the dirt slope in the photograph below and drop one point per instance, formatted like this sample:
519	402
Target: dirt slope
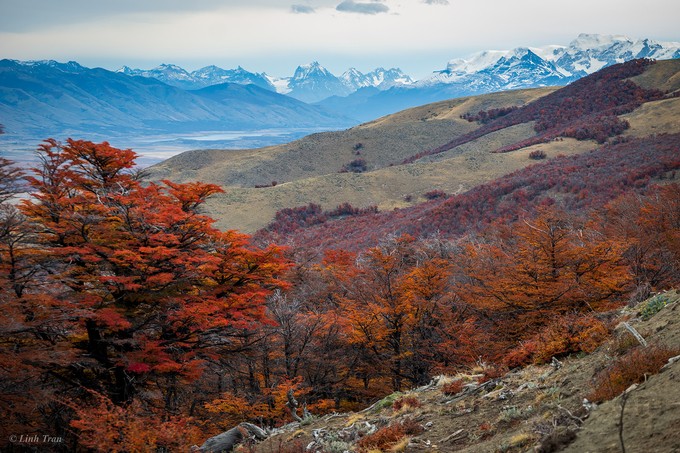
538	408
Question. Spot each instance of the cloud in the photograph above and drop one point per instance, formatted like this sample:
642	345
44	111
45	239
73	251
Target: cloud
350	6
436	2
302	9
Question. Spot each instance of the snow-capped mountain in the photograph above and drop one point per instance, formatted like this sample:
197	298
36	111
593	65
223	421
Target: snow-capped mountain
312	82
213	75
70	67
497	70
589	53
550	65
380	78
210	75
167	73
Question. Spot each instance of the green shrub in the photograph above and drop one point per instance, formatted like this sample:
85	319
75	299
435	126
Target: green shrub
653	306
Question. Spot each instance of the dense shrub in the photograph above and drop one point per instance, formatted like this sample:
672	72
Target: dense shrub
388	436
567	334
537	154
629	369
434	194
492	372
346	209
486	116
288	220
355	166
406	402
453	387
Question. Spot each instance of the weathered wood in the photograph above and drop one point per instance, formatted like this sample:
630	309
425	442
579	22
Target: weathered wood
635	333
292	406
226	441
455	436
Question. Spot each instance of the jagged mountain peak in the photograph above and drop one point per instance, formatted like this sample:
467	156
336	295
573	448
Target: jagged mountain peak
313	69
168	68
380	78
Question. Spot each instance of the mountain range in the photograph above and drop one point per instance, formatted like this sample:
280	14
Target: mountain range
483	72
497	70
45	98
210	75
50	99
310	83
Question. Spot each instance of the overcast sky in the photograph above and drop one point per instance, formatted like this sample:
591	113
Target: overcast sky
418	36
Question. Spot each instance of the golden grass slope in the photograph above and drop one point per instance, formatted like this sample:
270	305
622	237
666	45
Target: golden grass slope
382	142
306	170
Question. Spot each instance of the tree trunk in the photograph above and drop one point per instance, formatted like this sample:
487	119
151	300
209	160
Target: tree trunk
227	440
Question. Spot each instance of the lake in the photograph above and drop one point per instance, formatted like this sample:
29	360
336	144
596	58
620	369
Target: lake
156	148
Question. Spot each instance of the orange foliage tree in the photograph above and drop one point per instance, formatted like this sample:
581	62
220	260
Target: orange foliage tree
536	269
398	308
650	229
150	290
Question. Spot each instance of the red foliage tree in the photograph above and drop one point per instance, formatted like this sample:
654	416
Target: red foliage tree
152	289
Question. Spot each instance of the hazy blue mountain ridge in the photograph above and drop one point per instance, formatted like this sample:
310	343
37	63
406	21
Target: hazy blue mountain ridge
46	99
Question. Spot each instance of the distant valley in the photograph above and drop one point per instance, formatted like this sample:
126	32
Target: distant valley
446	153
169	109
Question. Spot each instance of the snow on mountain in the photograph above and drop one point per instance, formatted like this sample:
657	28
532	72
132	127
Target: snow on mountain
477	62
212	75
312	70
589	52
281	84
499	69
537	66
201	78
387	78
70	67
490	70
312	82
355	79
166	73
380	78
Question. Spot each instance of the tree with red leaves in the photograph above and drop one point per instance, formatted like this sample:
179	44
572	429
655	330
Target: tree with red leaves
148	289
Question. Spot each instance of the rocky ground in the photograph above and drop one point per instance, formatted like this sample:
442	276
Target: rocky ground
540	408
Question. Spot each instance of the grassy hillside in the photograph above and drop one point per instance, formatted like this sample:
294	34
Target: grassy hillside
307	170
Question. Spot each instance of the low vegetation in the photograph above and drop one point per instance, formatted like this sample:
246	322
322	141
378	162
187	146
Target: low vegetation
131	322
585	109
631	368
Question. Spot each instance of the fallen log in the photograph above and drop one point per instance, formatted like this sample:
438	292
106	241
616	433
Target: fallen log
226	441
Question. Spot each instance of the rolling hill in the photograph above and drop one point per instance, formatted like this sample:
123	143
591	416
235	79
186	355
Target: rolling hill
308	170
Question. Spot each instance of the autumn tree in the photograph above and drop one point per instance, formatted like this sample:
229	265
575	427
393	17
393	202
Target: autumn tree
541	267
32	333
153	289
399	307
648	227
